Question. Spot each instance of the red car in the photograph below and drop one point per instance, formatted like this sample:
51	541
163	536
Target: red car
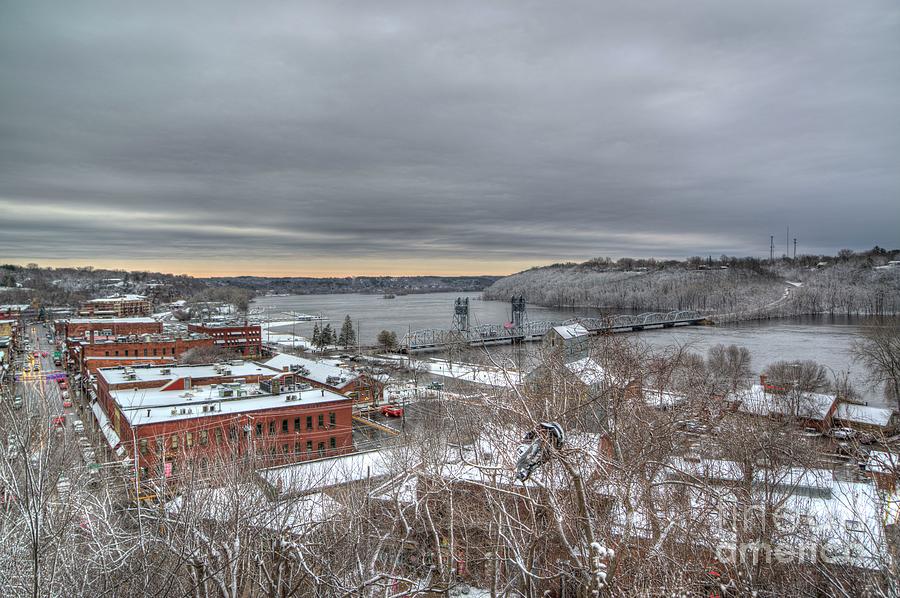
67	404
59	422
37	353
44	354
392	410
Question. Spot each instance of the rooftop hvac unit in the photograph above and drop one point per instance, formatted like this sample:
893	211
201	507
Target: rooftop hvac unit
165	371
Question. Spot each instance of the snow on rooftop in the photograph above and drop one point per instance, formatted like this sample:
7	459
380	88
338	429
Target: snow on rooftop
301	478
319	371
809	405
146	406
570	331
589	371
238	369
864	414
140	320
118	299
249	503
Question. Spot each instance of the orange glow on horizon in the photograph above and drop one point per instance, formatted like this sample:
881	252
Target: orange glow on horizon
312	268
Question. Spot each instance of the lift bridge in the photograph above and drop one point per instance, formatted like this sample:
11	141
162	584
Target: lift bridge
520	329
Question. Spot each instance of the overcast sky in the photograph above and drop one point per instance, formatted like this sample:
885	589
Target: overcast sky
445	137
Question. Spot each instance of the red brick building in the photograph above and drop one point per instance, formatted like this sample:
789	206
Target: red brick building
165	417
119	306
243	339
148	349
94	329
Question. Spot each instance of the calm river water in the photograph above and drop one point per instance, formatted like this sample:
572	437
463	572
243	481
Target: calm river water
826	340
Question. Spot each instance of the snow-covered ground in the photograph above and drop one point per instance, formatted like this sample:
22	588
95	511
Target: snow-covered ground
282	339
467	372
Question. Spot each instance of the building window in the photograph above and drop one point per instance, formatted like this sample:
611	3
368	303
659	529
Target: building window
126	352
190	439
309	422
204	437
143	445
218	435
308	446
285	448
284	426
232	433
107	353
332	443
154	351
117	353
145	352
321	449
296	424
297	448
259	429
332	419
272	428
321	420
174	442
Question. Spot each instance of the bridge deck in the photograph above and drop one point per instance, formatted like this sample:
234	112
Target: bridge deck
495	333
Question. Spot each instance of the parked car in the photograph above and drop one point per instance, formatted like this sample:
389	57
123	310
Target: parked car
44	354
67	404
843	433
392	410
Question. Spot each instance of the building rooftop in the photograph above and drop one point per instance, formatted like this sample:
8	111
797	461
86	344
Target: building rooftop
165	374
149	338
570	331
864	414
808	405
318	371
226	324
118	299
147	406
139	320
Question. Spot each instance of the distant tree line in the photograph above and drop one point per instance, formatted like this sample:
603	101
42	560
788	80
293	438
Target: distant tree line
743	288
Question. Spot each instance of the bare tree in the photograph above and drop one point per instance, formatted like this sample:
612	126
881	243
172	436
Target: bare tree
879	350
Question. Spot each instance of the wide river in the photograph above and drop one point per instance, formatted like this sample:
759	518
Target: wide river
826	340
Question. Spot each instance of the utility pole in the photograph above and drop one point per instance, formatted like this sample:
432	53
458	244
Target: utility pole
771	248
795	247
787	242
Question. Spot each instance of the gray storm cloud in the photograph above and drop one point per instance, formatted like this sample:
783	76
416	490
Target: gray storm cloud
470	130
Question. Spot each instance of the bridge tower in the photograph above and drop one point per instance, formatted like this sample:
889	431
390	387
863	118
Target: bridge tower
461	315
519	314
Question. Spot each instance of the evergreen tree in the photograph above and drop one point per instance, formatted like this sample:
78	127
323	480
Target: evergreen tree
348	334
327	337
316	336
